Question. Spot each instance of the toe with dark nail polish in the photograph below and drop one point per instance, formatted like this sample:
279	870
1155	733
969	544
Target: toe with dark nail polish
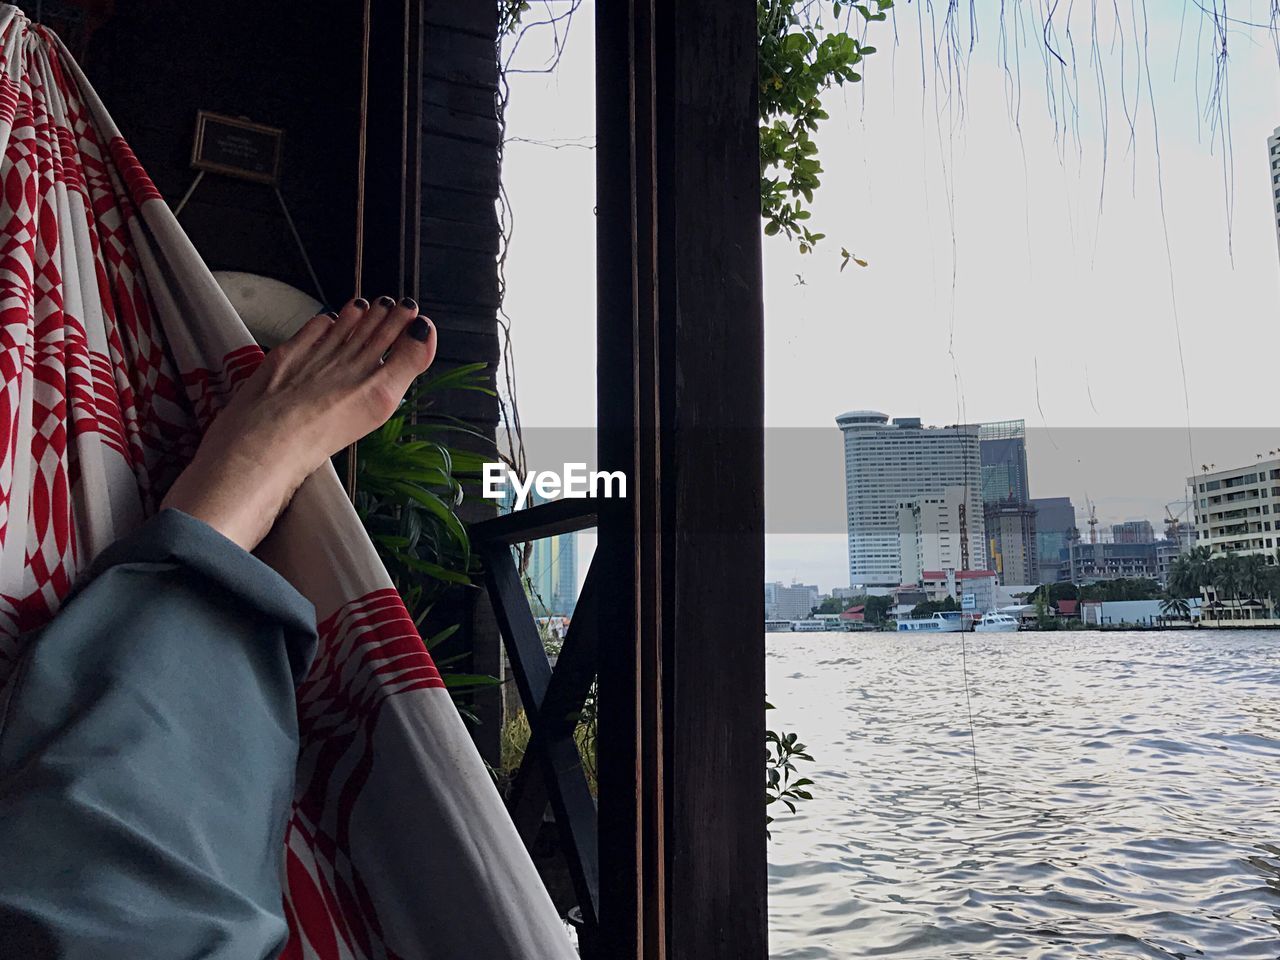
331	314
386	302
409	303
420	329
361	303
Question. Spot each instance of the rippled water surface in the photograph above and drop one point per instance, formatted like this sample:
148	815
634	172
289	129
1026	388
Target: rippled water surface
1130	796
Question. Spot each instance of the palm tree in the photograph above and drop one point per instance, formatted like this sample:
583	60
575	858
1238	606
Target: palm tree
1252	569
1190	571
1179	579
1175	608
1225	576
1201	559
1271	583
1253	576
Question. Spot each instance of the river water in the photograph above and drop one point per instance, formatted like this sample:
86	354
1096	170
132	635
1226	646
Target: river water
1130	796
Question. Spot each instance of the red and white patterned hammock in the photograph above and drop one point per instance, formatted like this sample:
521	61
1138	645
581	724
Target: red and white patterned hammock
117	347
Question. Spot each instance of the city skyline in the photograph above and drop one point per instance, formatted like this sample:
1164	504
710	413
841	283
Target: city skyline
1128	475
1008	277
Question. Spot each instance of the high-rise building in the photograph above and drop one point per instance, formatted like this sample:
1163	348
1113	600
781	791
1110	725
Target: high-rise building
929	534
553	575
1133	531
771	599
1055	522
891	463
795	602
1011	541
1004	461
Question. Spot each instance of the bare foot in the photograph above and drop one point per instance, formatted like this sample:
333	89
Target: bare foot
325	387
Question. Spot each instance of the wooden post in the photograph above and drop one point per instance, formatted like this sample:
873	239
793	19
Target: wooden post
711	348
680	399
623	232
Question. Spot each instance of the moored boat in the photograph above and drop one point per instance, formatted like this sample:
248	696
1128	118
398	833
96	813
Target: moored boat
948	622
808	626
995	622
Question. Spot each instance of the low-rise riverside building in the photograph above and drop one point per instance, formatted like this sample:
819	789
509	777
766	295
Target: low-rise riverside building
1130	613
856	614
1236	509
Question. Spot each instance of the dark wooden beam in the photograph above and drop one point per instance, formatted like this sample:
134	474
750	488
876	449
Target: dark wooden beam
551	772
652	501
711	352
680	400
395	145
578	662
558	714
538	522
622	233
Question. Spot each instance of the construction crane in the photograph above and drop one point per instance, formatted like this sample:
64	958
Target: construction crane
1093	520
1174	523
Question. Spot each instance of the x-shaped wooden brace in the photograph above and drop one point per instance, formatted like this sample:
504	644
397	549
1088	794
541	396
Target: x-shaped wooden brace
551	771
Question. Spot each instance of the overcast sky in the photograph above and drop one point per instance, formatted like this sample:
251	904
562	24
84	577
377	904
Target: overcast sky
1058	314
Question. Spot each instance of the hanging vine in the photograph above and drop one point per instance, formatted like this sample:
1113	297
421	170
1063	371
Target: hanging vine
513	27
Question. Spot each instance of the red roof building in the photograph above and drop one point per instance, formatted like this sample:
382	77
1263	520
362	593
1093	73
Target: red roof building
855	613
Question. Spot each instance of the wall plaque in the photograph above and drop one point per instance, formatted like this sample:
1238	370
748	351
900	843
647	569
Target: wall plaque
237	148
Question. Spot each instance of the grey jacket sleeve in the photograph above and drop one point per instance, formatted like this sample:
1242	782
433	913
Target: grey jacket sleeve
148	740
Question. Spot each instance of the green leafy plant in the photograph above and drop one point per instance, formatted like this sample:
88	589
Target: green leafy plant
510	13
800	60
1045	619
409	484
781	753
516	734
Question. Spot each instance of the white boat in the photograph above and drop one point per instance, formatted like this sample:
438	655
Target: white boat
994	622
808	626
939	623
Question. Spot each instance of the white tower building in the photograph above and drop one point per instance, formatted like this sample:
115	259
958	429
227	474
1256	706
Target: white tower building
887	464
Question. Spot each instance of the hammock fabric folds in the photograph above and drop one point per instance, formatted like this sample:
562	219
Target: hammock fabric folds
117	350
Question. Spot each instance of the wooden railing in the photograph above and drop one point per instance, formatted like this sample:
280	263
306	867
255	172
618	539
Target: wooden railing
551	771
